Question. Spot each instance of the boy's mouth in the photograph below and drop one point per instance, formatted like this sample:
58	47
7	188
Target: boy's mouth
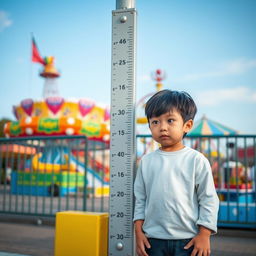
164	136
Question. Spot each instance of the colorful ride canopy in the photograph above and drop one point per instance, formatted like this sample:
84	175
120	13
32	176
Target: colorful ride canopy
57	116
205	126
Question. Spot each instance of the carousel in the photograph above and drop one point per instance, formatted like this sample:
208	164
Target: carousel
54	116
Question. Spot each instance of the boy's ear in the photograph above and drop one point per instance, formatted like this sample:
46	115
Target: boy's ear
188	125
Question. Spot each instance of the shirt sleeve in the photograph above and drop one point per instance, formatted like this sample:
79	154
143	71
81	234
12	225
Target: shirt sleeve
140	195
207	196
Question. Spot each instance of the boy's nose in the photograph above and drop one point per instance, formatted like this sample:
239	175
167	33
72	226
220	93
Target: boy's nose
163	127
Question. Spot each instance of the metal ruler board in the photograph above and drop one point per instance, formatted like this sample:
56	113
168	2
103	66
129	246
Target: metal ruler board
122	137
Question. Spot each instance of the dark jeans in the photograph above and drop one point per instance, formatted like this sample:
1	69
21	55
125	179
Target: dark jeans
160	247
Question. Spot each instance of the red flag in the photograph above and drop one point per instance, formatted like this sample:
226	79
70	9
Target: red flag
35	53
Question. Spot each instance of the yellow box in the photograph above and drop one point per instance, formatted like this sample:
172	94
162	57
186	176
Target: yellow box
81	234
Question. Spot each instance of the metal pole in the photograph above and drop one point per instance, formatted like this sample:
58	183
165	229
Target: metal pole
125	4
122	129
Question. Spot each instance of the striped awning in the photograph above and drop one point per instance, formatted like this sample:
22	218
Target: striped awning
205	126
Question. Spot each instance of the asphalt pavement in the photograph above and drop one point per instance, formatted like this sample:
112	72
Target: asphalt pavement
35	237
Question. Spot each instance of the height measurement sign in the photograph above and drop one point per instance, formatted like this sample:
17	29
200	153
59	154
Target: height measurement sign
122	138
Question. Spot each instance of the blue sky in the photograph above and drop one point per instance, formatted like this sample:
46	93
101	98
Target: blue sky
207	48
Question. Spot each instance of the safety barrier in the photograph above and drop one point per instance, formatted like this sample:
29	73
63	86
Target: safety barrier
45	175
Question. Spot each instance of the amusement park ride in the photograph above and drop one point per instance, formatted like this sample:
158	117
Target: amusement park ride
158	76
52	116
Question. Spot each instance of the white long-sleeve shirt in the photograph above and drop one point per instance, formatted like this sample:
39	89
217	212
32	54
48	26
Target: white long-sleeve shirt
175	193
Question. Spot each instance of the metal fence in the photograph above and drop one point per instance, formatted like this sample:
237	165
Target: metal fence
44	175
233	161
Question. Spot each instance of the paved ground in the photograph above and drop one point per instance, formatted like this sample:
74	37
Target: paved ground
27	239
38	240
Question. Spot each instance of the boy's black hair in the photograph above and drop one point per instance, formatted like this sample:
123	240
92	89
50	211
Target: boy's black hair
167	100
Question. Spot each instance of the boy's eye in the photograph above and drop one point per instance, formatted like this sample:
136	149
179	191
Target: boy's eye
154	122
170	120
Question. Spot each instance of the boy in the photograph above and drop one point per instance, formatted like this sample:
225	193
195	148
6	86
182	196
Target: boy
176	203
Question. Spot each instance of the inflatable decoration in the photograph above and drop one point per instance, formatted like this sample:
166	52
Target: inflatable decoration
27	106
85	106
54	104
107	114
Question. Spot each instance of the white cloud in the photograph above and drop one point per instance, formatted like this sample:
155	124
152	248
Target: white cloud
216	97
144	78
234	67
5	21
239	66
254	96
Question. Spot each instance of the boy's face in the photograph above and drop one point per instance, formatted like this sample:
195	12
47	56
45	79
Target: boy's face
168	130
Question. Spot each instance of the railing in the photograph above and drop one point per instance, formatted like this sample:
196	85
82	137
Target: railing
233	161
44	175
